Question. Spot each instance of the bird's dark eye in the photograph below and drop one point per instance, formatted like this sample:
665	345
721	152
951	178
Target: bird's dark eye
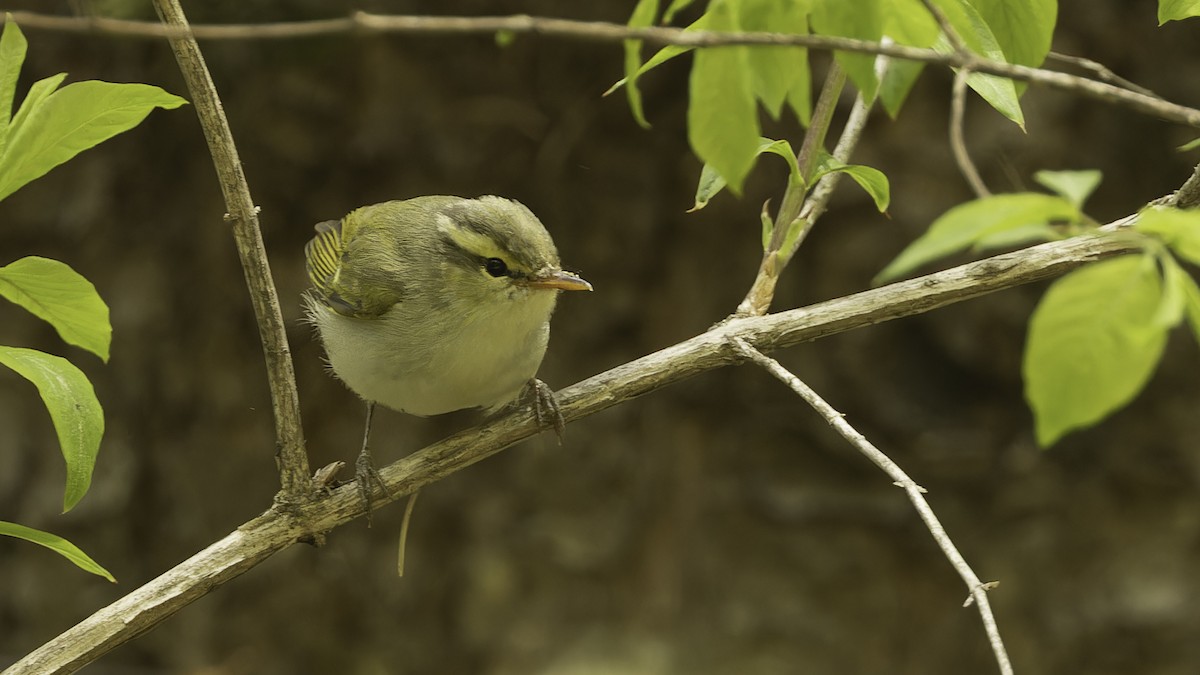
495	267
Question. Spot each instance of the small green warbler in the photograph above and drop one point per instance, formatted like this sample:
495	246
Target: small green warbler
435	304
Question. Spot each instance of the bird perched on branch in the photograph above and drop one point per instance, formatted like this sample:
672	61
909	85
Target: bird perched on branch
435	304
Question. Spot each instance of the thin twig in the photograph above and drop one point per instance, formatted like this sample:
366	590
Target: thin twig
818	199
362	22
1188	195
258	539
958	143
915	492
1102	71
958	103
243	217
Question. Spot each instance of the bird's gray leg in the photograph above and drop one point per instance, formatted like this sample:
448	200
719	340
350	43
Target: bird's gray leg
364	468
545	407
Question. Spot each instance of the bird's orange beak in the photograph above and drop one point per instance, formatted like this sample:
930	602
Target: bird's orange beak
560	280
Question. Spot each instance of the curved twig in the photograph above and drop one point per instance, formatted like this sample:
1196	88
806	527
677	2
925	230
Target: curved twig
243	217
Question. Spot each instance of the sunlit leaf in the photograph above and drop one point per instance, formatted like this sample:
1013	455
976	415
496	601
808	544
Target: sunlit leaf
966	224
861	19
77	415
722	116
643	15
779	74
1023	28
1179	229
12	55
61	296
57	544
1177	10
1093	344
1074	186
71	120
870	179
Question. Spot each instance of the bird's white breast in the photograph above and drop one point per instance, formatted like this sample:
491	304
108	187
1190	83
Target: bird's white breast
428	360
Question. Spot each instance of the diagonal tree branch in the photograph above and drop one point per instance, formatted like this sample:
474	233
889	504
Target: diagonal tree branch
916	493
280	527
243	216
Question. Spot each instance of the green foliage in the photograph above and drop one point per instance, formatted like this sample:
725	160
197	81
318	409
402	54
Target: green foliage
1023	28
58	294
1099	332
779	74
53	126
643	15
1073	186
56	544
872	180
1177	10
77	416
862	20
722	115
969	24
1000	220
711	181
1093	343
727	83
1179	230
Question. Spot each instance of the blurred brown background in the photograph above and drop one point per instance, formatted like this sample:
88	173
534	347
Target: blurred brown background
716	526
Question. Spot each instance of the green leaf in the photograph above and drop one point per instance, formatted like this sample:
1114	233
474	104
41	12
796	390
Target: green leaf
662	56
1178	229
861	19
1018	236
71	120
897	82
1176	10
999	92
1074	186
1092	344
57	544
674	8
908	23
777	71
12	55
711	181
977	221
63	297
870	179
643	15
1023	28
1191	294
77	415
710	184
1174	296
1190	145
35	99
722	117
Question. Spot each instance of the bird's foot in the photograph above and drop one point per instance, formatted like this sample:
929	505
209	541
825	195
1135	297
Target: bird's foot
545	407
367	476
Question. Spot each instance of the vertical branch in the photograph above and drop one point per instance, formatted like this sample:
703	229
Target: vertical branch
976	588
957	142
243	217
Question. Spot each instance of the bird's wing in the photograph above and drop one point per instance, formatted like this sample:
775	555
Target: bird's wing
336	285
